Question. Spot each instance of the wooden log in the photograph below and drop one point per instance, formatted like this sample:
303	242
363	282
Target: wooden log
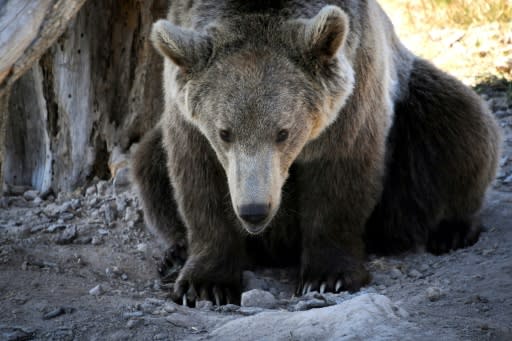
27	29
4	101
95	91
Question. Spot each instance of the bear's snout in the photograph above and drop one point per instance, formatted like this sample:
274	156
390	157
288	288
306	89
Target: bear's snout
254	213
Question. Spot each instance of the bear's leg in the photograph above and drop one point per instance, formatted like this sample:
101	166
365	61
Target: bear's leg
442	155
335	201
149	169
452	235
216	252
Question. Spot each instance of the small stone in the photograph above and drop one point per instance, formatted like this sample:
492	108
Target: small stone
132	323
4	202
90	191
102	187
258	298
38	201
97	291
54	313
66	216
415	274
508	179
229	308
121	204
93	201
124	277
434	294
96	240
103	232
30	195
204	305
171	308
63	208
250	311
75	204
84	240
67	236
396	273
121	179
24	266
132	314
110	212
310	304
142	247
38	228
161	336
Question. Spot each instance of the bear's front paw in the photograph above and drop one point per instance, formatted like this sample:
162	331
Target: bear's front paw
332	275
198	282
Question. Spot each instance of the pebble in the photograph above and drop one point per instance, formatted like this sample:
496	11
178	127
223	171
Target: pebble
4	202
102	187
67	236
415	274
37	201
250	311
142	247
508	179
229	308
96	240
434	294
396	273
30	195
90	191
83	240
56	313
16	334
204	305
66	216
122	179
38	228
75	204
110	212
97	290
171	308
121	203
311	304
258	298
132	323
132	314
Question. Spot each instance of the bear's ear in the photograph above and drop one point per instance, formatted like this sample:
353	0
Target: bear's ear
326	32
184	47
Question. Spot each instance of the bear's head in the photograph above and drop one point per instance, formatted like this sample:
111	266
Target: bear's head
259	89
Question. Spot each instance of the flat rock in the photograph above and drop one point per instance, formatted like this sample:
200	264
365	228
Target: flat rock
364	317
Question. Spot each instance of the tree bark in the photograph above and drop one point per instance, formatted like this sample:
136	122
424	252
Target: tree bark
89	98
4	101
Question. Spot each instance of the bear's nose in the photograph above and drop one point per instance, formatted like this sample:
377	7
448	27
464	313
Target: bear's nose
254	213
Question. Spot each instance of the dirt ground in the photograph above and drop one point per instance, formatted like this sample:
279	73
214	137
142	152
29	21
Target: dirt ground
81	266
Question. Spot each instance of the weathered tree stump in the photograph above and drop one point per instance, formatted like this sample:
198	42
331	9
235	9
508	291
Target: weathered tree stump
95	88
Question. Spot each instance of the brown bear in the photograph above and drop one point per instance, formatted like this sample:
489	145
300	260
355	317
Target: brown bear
303	132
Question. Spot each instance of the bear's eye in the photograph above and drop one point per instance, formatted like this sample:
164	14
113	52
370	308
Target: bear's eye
225	135
282	136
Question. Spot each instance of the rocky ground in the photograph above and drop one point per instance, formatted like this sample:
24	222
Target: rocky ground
81	266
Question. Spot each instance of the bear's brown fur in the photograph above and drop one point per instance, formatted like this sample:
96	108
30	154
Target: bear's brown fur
293	127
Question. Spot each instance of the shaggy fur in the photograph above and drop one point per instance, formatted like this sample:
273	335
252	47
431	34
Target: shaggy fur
303	132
